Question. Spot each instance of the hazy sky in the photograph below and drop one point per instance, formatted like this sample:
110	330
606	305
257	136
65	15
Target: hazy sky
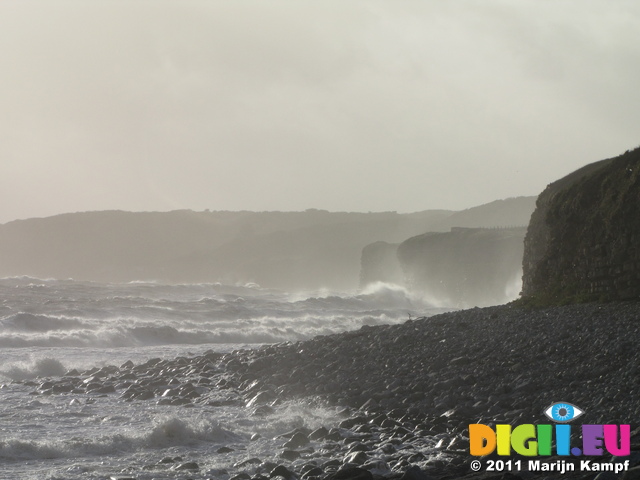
288	105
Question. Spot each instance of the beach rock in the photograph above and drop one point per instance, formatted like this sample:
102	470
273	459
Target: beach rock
188	466
415	473
241	476
261	398
298	440
247	462
282	471
290	455
318	433
424	400
351	474
356	458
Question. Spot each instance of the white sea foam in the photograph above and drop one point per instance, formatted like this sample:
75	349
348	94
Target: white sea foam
41	367
82	314
50	326
165	431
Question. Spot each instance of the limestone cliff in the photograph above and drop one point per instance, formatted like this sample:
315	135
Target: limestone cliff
583	241
379	263
466	266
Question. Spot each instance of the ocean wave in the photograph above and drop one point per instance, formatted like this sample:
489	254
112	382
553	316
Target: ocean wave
166	431
84	314
29	322
41	367
133	333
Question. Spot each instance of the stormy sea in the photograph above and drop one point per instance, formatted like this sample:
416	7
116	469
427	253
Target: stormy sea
85	331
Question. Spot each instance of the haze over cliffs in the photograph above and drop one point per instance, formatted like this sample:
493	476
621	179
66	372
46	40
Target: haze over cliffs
583	241
477	261
290	250
293	250
466	266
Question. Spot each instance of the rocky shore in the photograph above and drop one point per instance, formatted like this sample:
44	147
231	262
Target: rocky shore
407	392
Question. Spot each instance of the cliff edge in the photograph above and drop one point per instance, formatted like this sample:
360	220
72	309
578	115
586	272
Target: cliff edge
583	240
465	267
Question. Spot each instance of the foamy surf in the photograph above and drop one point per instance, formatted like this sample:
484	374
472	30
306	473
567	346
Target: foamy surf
83	314
51	327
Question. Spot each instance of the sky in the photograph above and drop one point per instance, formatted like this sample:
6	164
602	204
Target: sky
289	105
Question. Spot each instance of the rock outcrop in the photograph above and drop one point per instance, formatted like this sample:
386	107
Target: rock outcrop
466	266
583	241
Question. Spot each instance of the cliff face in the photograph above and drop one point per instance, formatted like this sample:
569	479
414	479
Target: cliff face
477	265
583	241
465	267
379	263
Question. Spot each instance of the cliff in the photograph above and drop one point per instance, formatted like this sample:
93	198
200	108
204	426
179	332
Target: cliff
583	241
379	263
466	266
445	267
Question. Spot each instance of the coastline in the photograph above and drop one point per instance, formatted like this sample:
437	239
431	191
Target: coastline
432	377
408	392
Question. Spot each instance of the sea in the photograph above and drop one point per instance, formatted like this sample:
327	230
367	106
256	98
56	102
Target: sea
50	326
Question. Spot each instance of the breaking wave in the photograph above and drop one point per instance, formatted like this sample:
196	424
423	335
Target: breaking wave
51	313
164	432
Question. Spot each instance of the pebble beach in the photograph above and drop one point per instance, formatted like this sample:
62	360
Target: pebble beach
403	395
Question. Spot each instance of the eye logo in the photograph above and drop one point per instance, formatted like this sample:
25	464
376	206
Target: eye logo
563	412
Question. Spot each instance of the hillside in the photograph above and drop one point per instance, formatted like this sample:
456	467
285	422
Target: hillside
309	249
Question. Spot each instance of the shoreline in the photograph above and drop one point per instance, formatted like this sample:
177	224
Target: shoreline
409	391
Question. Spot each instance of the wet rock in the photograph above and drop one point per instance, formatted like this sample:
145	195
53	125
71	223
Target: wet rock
188	466
298	440
263	411
261	398
352	422
351	474
247	462
415	473
290	455
357	458
318	433
241	476
313	472
282	471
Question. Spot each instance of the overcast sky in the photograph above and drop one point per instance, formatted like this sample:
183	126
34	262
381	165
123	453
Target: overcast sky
288	105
